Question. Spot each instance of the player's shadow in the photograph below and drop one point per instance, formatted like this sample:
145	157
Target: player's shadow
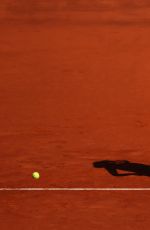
130	168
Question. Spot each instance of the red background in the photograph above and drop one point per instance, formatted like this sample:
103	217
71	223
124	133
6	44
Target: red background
74	88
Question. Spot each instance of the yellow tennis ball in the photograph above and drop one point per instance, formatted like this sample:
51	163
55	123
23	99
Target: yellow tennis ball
36	175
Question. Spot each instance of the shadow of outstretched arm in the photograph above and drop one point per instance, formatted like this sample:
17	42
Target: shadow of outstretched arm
130	168
114	172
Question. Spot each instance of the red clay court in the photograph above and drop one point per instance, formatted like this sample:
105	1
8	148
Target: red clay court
74	89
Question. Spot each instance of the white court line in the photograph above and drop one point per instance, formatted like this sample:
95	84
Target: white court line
74	189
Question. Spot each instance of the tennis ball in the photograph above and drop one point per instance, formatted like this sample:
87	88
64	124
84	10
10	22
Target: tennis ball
36	175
